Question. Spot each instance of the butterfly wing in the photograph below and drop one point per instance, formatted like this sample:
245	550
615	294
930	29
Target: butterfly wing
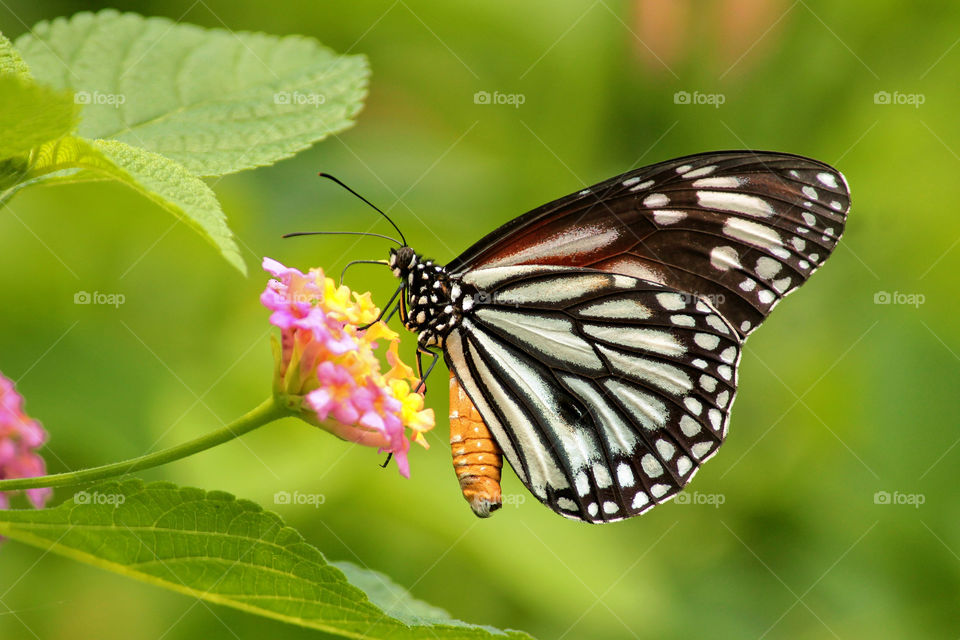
741	229
606	392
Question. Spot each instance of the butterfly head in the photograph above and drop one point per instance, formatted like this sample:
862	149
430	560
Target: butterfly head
432	301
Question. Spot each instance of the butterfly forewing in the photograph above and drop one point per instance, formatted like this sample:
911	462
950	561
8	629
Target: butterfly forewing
606	392
741	229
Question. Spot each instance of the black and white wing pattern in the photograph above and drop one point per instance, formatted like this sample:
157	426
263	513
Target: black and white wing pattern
606	392
740	228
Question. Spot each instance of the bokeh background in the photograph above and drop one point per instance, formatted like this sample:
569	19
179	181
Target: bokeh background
841	397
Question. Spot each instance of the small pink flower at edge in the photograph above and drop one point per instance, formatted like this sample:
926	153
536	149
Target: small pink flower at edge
327	367
20	437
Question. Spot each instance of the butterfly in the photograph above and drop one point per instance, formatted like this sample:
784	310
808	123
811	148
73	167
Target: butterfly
594	341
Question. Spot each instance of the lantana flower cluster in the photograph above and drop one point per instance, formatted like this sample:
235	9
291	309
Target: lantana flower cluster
327	367
20	437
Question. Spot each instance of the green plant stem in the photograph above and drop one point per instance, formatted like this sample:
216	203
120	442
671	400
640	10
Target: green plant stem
266	412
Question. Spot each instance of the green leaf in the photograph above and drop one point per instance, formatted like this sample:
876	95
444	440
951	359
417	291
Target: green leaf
228	551
397	601
10	61
31	115
214	101
156	177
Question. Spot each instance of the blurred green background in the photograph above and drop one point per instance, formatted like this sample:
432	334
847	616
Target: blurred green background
840	397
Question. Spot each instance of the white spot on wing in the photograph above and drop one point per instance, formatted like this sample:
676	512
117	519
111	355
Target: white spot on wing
671	301
652	340
707	341
616	309
718	324
668	216
651	466
625	475
700	449
582	484
752	233
655	200
722	399
708	383
715	418
602	476
828	179
724	258
659	489
699	173
689	426
767	267
735	203
665	449
722	182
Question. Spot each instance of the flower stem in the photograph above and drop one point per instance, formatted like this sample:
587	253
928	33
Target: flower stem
266	412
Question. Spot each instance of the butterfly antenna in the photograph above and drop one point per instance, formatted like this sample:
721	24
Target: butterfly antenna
341	233
375	208
353	262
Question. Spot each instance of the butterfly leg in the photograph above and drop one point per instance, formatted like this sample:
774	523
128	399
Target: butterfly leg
477	458
384	310
422	385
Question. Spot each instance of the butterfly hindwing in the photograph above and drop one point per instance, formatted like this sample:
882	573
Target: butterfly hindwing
741	229
606	392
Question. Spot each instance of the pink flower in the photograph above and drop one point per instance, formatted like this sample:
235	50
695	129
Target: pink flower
20	436
328	369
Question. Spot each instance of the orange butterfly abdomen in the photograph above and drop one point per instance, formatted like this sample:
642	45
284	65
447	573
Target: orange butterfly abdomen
477	458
